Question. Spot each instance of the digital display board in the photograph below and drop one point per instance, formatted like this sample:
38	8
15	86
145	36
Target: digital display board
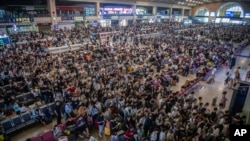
232	13
229	13
247	15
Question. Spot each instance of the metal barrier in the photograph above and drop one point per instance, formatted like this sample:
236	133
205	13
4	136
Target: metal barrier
62	49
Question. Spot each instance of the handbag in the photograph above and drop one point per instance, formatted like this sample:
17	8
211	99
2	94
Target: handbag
107	130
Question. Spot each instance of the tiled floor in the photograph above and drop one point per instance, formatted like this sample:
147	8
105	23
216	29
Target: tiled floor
206	91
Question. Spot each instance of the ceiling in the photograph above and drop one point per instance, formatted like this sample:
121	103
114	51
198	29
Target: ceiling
179	2
191	2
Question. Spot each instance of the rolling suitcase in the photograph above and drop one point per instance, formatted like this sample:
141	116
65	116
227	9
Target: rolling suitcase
209	80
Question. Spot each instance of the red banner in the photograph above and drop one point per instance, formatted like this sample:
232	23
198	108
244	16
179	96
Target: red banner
70	8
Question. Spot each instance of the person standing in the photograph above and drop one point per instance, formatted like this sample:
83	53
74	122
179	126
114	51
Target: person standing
223	100
58	112
100	121
213	74
237	74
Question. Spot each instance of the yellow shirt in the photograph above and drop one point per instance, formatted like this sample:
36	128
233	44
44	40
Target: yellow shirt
1	138
130	69
94	47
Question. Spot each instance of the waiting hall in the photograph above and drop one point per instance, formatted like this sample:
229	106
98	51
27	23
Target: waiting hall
135	70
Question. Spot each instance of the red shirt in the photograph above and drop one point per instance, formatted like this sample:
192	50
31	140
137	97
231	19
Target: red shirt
129	134
72	89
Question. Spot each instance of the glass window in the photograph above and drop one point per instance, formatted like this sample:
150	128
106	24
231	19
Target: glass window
202	12
64	12
231	10
212	14
71	12
58	12
89	11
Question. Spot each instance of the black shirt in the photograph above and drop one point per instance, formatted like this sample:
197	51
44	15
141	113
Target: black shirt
100	120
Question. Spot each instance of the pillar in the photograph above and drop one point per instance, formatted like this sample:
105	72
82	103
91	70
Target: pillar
154	11
97	9
52	11
182	12
170	12
134	13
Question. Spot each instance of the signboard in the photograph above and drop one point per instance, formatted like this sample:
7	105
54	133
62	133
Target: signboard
140	16
78	18
56	27
114	17
1	42
232	13
22	19
106	16
4	40
67	18
247	15
69	8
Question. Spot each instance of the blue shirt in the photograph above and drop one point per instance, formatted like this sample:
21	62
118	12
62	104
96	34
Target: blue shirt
68	108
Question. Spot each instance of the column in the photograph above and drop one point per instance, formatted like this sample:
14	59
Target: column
97	9
154	11
52	11
134	13
182	12
170	12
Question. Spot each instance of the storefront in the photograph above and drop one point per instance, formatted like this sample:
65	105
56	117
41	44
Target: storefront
105	23
163	11
142	10
114	20
67	22
130	22
21	27
66	25
69	10
44	26
123	22
79	21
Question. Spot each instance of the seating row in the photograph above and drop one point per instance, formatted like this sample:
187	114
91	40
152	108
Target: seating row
26	99
8	87
21	121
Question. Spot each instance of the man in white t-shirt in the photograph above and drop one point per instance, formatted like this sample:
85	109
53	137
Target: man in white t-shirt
213	73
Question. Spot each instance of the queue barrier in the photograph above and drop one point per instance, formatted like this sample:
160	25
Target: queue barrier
65	48
193	86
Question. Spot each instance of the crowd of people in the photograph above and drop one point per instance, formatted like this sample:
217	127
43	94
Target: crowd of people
124	82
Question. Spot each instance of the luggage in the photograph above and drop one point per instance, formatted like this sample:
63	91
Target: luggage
174	83
209	80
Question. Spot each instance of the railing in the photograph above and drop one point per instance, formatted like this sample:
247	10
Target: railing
152	35
61	49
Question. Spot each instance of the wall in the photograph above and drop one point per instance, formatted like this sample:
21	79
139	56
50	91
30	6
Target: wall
42	19
213	7
132	2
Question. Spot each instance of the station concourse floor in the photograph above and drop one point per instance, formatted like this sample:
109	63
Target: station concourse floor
206	91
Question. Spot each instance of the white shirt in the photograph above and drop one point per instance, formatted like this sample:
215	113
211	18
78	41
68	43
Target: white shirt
162	136
213	71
